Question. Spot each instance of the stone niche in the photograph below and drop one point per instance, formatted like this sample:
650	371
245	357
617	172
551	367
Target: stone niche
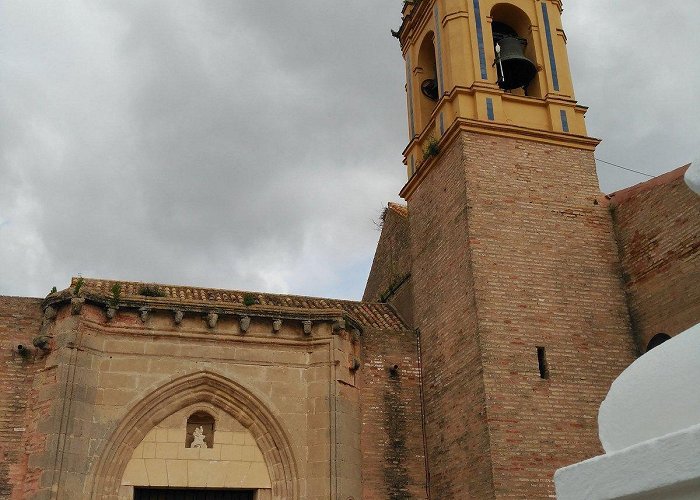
166	457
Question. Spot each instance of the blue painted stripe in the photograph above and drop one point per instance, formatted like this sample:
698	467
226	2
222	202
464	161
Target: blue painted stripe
442	123
480	39
489	109
409	91
550	46
564	121
441	88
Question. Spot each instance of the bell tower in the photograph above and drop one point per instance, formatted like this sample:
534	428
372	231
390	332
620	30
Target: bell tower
517	290
494	66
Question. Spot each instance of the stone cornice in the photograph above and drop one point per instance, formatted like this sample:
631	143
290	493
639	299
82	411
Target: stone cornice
335	316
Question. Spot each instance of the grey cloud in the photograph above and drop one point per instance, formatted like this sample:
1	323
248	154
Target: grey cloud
250	144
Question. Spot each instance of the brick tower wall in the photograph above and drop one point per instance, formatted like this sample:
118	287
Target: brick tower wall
658	230
444	308
20	320
511	254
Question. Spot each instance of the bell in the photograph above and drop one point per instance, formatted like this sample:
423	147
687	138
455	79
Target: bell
429	88
515	70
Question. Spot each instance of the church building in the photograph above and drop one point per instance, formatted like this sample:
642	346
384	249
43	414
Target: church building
504	298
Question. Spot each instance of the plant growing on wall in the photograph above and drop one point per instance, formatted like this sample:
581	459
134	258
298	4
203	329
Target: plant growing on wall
432	149
249	299
151	291
116	294
78	285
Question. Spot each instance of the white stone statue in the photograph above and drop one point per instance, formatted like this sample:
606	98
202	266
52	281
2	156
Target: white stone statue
198	441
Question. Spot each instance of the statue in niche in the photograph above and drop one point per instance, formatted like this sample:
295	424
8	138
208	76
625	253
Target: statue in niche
198	438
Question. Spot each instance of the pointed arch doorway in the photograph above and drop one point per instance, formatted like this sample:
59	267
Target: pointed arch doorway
269	442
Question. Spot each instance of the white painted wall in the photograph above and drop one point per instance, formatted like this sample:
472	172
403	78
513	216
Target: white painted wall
649	426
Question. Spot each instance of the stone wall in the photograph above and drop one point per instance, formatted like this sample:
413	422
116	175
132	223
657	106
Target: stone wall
512	253
658	230
20	321
233	461
117	380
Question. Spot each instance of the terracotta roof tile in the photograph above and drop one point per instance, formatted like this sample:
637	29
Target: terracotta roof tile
374	315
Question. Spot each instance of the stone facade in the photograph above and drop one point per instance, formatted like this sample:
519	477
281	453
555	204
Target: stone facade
109	395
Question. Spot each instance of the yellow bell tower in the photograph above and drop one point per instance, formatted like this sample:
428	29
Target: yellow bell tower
463	58
521	312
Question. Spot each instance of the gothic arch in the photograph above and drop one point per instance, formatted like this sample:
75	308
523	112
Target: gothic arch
185	391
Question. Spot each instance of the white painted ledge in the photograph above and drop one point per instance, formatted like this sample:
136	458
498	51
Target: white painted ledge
666	467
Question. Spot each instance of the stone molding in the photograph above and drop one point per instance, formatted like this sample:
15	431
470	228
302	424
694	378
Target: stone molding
145	307
200	387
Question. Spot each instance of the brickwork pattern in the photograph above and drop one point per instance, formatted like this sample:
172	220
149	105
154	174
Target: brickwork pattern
393	457
547	275
511	252
389	277
20	321
444	307
658	229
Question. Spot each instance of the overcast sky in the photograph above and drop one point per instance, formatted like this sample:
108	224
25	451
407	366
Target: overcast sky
250	144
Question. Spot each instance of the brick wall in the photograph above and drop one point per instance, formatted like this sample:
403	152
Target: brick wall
658	230
511	252
20	320
389	278
444	308
393	459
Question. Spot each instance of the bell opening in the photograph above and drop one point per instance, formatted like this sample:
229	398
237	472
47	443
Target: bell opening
515	52
426	78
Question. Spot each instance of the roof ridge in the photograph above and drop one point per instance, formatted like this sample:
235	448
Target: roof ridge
373	314
625	194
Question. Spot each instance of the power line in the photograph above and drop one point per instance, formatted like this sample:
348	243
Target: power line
624	168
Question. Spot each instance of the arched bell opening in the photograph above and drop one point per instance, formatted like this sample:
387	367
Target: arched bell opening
426	78
516	55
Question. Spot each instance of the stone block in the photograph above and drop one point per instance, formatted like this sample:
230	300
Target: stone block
231	452
135	473
177	473
210	453
216	474
197	473
187	453
167	450
176	436
157	471
223	437
148	449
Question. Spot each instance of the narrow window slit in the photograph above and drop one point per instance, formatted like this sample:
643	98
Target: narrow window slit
542	362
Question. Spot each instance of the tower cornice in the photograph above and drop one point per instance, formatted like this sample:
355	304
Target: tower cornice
498	130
